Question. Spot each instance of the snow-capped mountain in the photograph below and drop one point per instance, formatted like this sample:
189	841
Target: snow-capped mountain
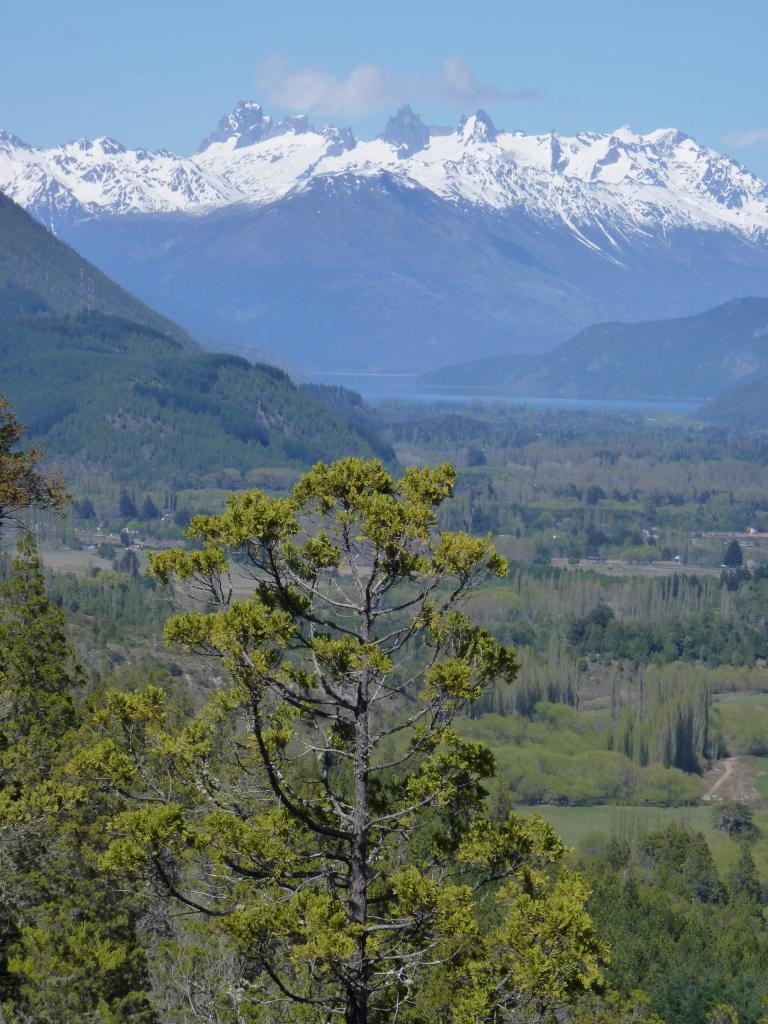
569	229
629	181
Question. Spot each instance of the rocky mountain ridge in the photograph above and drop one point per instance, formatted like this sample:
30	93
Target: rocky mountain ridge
599	186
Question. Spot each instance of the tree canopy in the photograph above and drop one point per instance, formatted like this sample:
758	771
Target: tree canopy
321	819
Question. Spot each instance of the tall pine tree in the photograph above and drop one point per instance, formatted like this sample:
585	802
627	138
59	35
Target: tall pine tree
68	949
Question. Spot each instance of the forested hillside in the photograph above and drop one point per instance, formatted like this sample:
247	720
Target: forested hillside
40	274
106	383
107	393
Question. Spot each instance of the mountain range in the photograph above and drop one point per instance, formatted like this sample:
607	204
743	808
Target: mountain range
420	248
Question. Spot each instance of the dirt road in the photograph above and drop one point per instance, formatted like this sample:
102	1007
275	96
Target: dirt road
731	779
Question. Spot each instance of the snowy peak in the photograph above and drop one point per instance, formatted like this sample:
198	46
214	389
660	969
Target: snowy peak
603	187
477	128
103	146
339	139
9	141
247	125
406	131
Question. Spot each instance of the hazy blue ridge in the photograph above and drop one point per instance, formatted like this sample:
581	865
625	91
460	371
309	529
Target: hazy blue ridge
351	273
690	358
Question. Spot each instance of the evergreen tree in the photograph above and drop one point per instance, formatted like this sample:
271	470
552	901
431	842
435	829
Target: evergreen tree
68	951
149	509
723	1013
684	862
733	557
127	506
84	508
321	815
700	873
38	674
733	818
743	882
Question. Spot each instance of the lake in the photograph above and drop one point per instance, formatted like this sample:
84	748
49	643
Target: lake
384	387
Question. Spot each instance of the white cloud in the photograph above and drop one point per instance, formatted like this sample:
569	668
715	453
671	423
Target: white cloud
366	89
750	138
369	88
456	82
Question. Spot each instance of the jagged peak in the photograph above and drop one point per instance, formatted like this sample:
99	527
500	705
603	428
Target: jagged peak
477	127
247	124
296	123
109	146
666	138
626	134
406	131
101	144
668	135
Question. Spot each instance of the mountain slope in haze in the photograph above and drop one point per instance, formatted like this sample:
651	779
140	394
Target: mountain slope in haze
102	391
690	358
380	274
342	272
744	407
418	248
37	276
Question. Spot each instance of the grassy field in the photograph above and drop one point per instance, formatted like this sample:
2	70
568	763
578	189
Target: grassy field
616	567
587	828
743	700
760	780
580	825
67	560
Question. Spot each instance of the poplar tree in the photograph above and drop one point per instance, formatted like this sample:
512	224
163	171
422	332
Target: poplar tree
322	815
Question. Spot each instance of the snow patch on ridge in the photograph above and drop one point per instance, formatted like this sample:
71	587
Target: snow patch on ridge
601	187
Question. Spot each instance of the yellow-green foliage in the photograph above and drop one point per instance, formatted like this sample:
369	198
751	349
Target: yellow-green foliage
321	813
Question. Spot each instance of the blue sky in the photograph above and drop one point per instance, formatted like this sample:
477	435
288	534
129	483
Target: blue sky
161	74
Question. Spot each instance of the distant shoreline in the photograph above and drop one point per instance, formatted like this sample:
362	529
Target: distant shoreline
378	387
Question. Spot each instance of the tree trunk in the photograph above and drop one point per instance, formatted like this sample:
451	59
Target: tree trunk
357	991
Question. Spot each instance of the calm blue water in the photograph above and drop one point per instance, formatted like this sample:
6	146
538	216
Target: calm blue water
383	387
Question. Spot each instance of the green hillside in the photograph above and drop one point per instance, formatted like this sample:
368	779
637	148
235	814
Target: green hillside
107	393
125	391
40	274
691	358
